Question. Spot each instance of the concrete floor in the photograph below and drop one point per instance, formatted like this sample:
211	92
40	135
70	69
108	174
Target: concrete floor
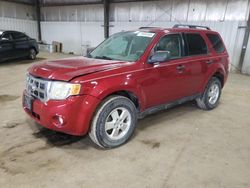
181	147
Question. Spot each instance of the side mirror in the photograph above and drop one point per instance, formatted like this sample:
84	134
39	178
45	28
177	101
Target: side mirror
159	56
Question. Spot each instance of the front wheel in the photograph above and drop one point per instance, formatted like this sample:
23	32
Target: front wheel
114	122
32	54
211	96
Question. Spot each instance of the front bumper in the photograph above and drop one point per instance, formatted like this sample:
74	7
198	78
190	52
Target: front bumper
76	113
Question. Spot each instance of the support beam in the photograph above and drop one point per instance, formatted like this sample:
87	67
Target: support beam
90	2
38	16
245	42
106	18
24	2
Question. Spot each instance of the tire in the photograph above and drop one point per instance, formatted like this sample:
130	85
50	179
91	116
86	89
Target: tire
32	54
114	122
211	96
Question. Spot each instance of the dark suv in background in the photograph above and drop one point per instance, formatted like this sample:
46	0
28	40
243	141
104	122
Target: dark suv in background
14	44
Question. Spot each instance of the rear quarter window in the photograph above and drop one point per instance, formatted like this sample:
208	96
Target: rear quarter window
195	44
216	42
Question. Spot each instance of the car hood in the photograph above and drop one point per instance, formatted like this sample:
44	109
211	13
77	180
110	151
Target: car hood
69	68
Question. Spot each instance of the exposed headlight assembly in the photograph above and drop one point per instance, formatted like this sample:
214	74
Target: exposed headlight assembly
62	90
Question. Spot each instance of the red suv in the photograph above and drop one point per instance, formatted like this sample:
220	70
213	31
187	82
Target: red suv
128	76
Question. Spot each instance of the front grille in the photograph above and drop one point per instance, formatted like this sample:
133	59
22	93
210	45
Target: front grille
37	88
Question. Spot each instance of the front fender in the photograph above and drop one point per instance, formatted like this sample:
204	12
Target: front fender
101	88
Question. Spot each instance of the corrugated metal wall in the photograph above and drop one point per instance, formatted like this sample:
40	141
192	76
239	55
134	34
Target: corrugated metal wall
18	17
75	36
81	26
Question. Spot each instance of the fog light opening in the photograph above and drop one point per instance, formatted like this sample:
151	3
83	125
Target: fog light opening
58	121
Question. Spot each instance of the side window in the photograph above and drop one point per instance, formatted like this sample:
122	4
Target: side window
195	44
19	36
170	43
7	36
216	42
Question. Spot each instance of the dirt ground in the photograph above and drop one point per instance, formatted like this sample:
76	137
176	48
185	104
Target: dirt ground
183	147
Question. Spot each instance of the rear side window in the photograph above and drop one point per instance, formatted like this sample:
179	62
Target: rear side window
195	44
216	43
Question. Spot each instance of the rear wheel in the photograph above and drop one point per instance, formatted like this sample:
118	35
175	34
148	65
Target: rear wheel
211	96
114	122
32	54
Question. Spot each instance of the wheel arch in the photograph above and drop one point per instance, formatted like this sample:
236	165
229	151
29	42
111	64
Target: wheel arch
33	47
218	74
128	94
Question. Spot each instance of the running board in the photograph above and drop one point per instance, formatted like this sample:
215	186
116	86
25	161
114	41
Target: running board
165	106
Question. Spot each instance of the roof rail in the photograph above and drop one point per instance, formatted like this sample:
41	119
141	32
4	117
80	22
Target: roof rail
147	27
191	26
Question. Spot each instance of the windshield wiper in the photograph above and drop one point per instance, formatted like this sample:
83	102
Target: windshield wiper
103	57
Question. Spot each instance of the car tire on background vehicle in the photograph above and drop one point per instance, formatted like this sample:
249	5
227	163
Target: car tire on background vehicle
114	122
32	54
211	96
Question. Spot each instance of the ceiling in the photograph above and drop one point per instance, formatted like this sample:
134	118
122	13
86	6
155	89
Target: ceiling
69	2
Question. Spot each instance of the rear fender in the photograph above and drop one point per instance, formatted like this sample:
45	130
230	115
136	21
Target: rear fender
213	71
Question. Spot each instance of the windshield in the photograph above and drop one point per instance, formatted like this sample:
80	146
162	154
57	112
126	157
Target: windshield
125	46
1	32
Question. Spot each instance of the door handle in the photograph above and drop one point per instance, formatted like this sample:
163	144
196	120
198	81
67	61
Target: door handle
209	62
180	67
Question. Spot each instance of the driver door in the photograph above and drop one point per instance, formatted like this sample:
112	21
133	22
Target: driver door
166	80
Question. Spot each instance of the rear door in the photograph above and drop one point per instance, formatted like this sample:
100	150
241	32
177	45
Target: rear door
6	46
197	59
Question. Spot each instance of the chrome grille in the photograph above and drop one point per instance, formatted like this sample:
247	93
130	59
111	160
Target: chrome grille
37	88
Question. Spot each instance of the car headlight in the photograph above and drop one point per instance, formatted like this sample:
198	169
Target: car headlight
62	90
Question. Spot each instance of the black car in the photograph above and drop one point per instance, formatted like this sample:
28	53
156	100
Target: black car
14	44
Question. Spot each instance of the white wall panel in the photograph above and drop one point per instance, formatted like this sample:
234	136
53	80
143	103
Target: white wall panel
180	10
73	13
163	10
216	10
236	10
27	26
121	11
14	10
174	10
18	17
74	35
197	10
